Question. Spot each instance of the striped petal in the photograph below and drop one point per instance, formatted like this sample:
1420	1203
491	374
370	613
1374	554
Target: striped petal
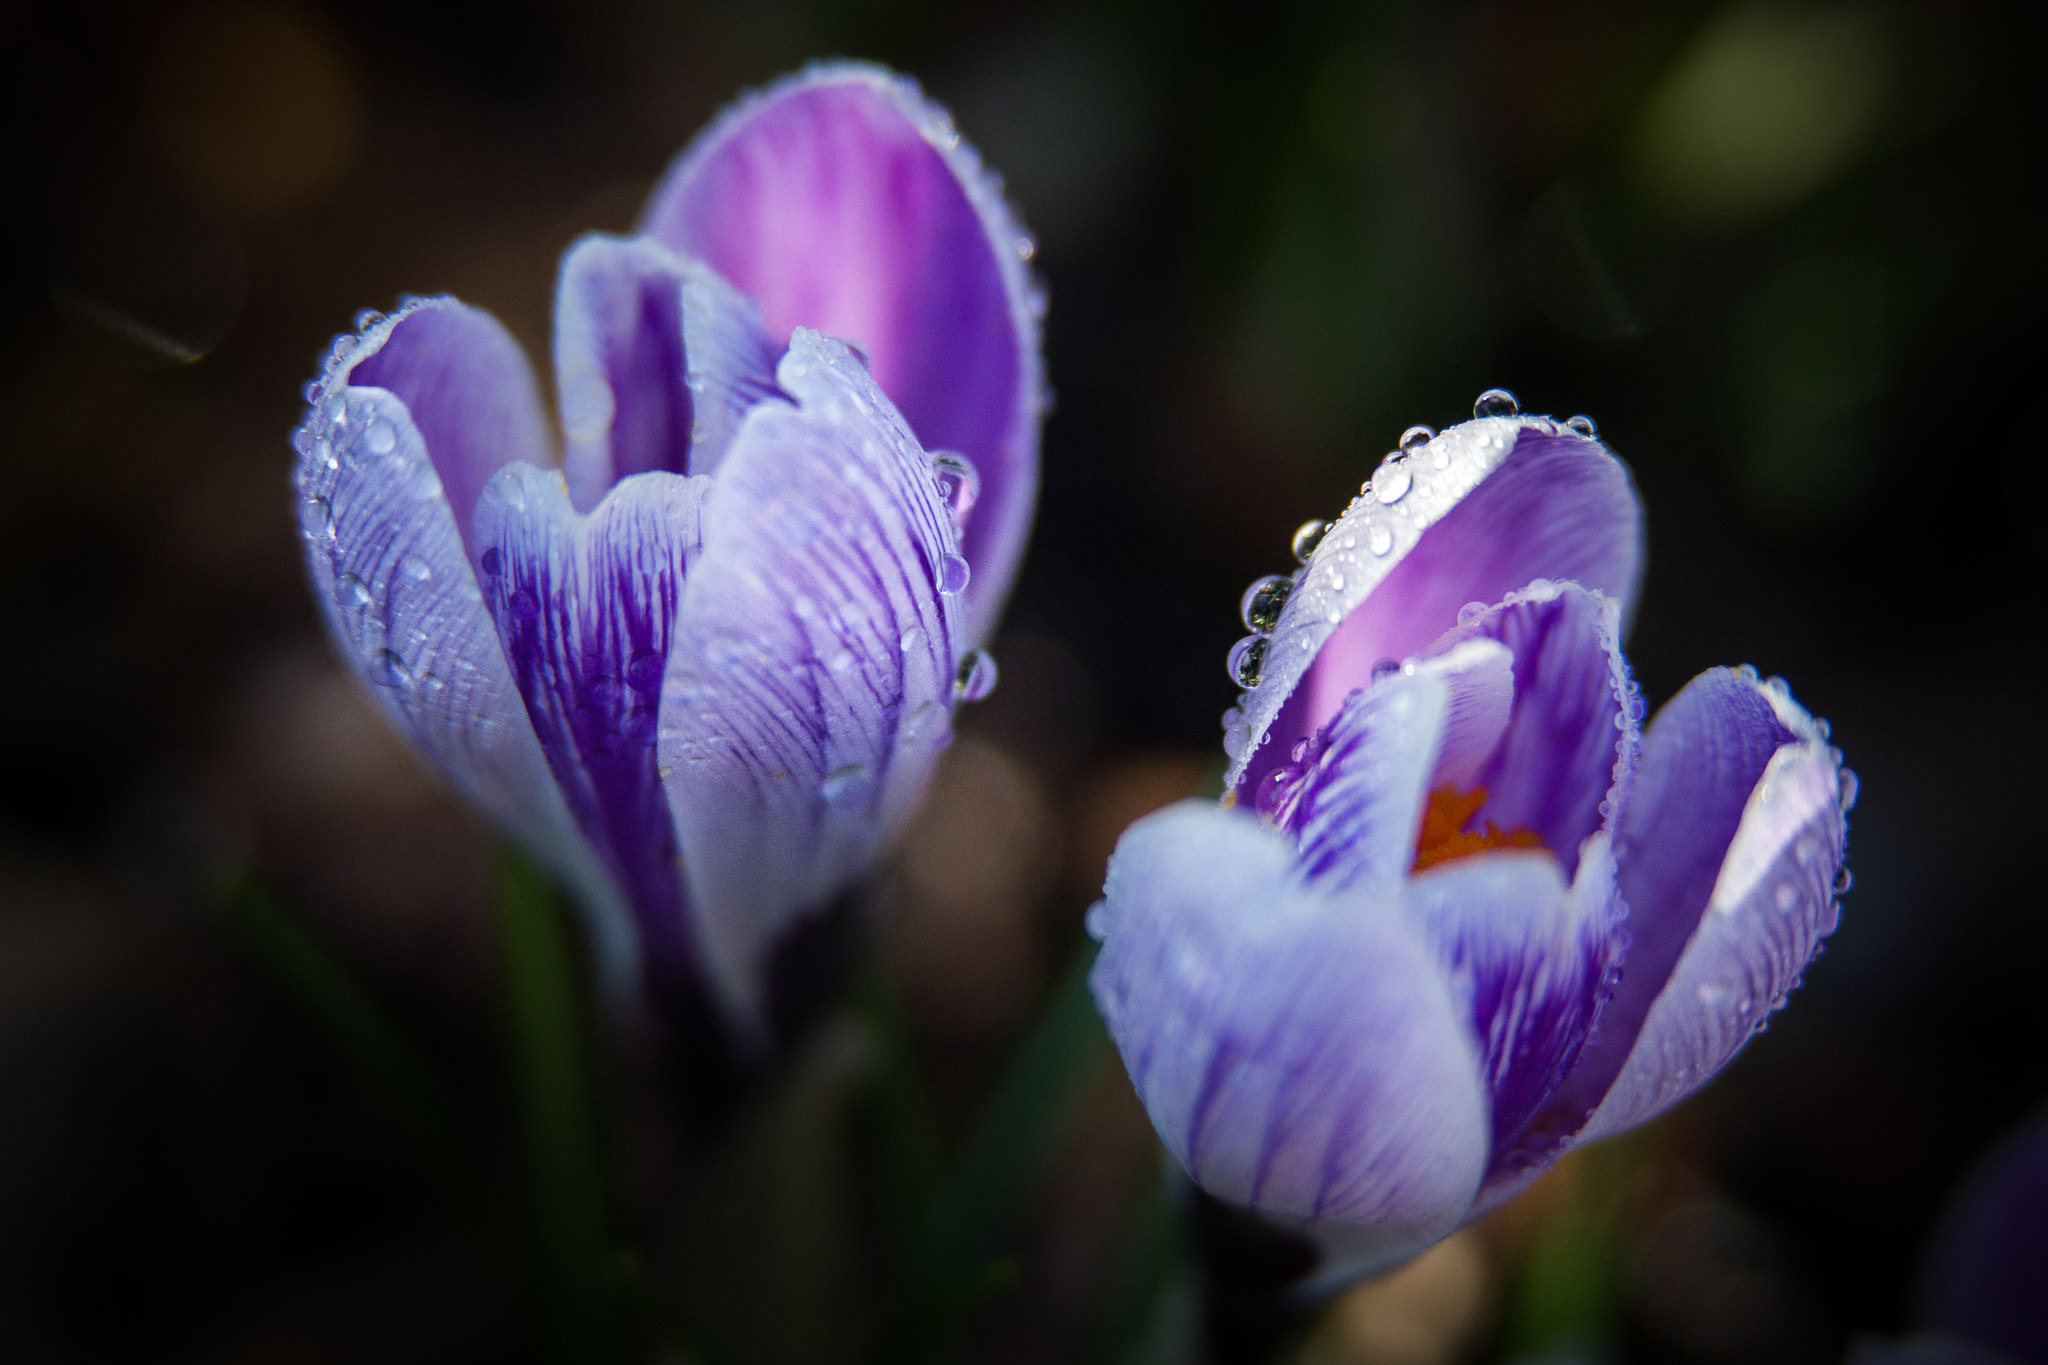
809	691
1300	1053
401	600
844	201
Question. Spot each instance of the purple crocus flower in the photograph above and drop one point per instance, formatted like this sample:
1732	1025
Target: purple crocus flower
1457	912
704	664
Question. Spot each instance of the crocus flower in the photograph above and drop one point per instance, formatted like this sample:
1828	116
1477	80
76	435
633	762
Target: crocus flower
1457	912
701	651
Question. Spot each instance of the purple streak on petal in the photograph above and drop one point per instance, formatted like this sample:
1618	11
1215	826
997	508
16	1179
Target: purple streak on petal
585	606
1531	958
1299	1053
1543	503
395	584
810	689
1987	1263
1570	744
657	360
1773	902
845	202
469	389
1702	757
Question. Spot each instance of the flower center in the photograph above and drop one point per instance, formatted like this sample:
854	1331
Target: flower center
1444	836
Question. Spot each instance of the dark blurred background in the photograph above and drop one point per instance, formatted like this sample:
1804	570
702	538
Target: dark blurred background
1779	251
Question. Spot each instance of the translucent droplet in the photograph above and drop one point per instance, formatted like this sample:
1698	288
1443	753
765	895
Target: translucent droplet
490	562
1417	436
1583	425
367	319
975	678
841	780
1385	668
1851	784
351	591
953	574
1260	606
923	719
1391	481
311	393
1247	657
1307	536
1379	540
842	662
316	517
1496	403
602	691
381	437
1235	739
959	484
644	670
1233	716
1027	246
1844	879
1471	612
416	568
1787	898
388	670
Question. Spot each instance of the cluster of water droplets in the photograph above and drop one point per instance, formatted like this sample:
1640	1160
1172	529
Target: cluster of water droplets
959	485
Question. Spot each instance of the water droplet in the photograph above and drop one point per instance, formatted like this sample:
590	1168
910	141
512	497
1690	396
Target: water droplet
841	780
1583	425
1391	482
381	437
1235	738
1496	403
1379	540
602	691
525	606
1307	536
316	517
388	670
1027	246
1851	784
910	639
1844	879
490	562
1385	668
959	483
1417	436
311	393
351	591
644	670
841	662
1233	716
367	319
1247	657
923	719
1471	612
953	574
1787	897
1260	606
416	568
975	678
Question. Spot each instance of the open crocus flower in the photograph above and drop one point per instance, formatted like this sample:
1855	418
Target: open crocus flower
1457	912
703	666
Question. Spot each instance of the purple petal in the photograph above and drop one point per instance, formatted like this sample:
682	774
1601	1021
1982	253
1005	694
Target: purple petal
1701	760
1356	804
1570	743
810	687
657	360
1988	1259
1531	959
390	573
1773	901
468	387
1299	1053
585	606
1486	507
845	202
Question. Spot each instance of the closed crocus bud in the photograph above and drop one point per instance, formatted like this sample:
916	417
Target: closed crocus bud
1457	911
701	651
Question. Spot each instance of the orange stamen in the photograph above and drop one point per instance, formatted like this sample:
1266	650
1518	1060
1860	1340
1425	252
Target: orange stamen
1445	837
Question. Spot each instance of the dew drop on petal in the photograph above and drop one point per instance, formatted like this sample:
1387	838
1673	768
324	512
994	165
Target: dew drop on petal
351	591
1260	606
953	574
1379	540
1247	658
367	319
644	670
1385	668
1416	436
1787	898
1471	612
388	670
381	437
959	483
1391	482
975	678
416	568
1583	425
1844	879
1307	536
910	639
490	562
1496	403
1851	784
840	781
316	517
1235	740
